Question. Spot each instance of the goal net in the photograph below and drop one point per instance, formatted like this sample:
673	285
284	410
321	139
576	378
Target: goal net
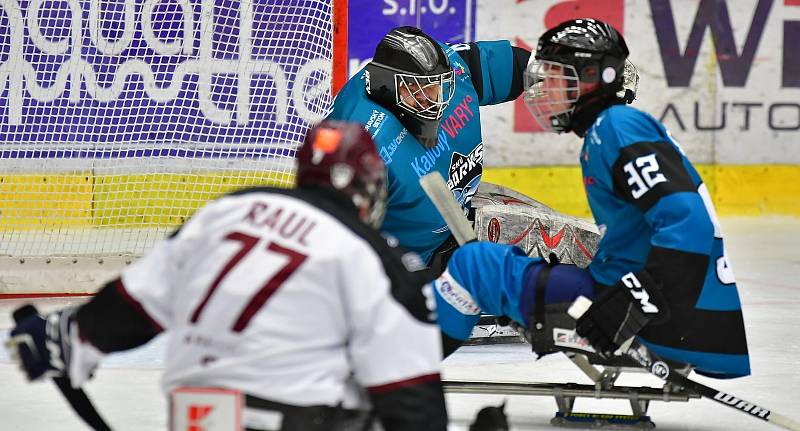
120	118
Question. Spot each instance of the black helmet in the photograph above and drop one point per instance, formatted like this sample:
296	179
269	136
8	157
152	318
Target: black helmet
341	156
580	51
411	76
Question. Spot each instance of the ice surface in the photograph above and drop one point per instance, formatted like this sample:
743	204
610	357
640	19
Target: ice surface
764	253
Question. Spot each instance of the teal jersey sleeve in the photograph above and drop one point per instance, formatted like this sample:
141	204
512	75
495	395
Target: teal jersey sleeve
481	277
496	69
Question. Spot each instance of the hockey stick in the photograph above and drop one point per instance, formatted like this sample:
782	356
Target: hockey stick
661	369
77	398
434	186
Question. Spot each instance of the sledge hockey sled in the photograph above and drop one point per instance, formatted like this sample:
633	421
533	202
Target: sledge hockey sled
604	375
505	216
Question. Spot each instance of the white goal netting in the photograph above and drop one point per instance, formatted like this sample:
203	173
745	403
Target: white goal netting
119	118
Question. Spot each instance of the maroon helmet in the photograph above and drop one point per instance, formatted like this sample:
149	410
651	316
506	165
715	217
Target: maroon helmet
342	156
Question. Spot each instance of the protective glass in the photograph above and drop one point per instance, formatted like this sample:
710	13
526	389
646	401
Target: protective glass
551	90
425	97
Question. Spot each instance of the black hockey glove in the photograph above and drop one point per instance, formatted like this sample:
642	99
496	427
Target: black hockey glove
40	344
619	312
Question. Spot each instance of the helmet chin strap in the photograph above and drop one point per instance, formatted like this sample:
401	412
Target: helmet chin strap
588	107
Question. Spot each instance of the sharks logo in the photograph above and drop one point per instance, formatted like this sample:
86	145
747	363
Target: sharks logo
464	174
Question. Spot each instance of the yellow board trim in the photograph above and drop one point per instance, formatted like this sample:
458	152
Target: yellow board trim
746	190
38	202
29	201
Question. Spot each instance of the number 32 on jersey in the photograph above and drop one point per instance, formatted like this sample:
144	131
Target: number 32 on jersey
644	173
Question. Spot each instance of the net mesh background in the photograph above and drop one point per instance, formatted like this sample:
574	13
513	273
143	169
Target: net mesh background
118	119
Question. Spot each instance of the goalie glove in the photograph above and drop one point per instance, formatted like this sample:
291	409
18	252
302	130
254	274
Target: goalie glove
40	345
619	312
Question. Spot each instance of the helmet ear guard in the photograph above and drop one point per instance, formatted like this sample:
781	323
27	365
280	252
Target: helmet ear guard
380	84
606	70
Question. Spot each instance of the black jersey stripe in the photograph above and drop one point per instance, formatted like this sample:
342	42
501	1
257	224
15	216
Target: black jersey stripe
645	172
472	57
701	331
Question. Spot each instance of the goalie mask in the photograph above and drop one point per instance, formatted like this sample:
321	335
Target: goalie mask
410	75
341	156
580	67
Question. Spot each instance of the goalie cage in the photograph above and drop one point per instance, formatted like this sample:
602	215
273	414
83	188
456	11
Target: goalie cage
118	120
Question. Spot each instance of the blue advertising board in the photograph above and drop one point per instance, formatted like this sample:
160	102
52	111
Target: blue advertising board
451	21
83	77
157	73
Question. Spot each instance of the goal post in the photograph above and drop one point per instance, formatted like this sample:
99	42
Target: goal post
119	119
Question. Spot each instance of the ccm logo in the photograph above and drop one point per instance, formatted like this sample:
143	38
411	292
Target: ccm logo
635	286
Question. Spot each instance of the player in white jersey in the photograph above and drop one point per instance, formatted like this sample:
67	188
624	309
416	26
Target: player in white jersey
290	297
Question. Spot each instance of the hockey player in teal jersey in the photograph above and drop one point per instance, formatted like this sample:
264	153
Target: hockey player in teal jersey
419	99
660	271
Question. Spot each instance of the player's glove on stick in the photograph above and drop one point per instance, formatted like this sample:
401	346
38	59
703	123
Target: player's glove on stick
619	312
41	344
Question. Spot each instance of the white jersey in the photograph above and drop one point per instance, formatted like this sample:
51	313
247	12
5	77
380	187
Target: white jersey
268	294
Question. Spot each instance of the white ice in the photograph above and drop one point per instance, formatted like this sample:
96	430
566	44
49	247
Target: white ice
764	253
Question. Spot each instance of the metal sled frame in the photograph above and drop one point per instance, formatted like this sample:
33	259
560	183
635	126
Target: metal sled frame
565	394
